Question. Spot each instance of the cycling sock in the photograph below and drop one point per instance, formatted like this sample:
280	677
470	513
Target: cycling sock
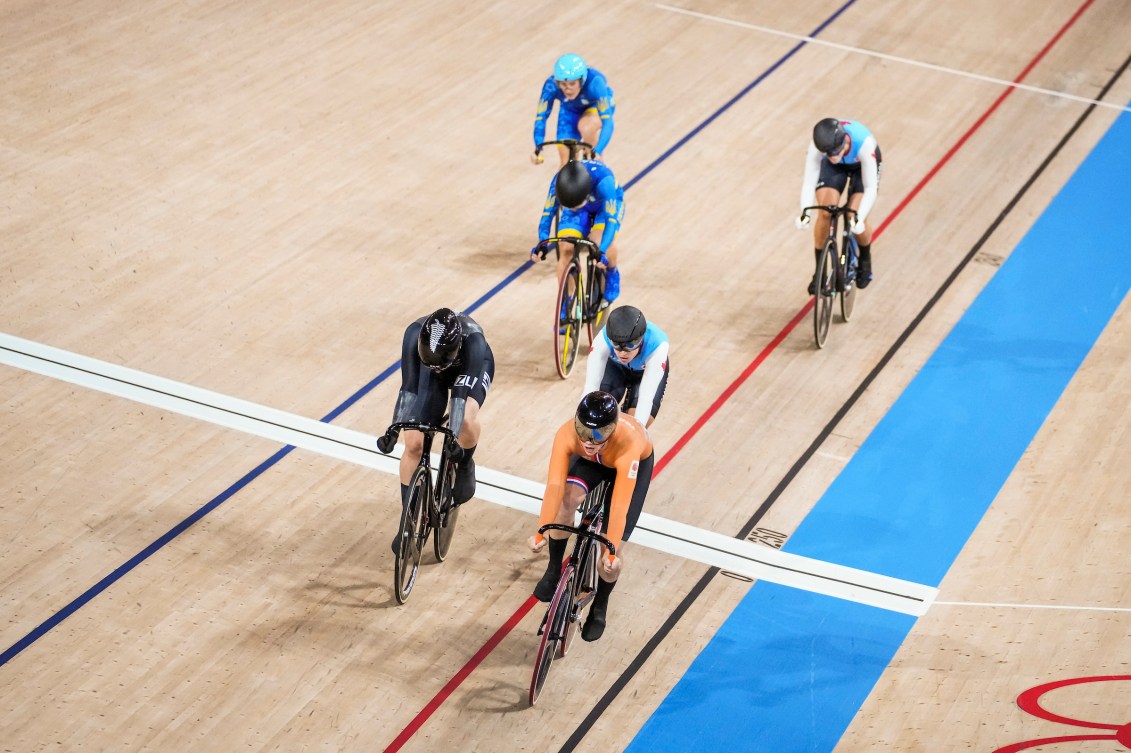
601	598
556	549
404	496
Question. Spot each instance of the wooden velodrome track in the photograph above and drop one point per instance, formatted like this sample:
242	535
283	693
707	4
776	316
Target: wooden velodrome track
255	198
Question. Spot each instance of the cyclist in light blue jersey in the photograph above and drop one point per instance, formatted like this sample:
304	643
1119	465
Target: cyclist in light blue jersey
585	111
591	200
630	362
839	150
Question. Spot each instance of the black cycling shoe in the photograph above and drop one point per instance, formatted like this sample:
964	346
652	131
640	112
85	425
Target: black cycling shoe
594	626
544	591
464	487
864	274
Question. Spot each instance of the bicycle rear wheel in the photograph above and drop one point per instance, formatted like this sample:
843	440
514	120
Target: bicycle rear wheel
848	274
446	525
567	328
826	293
595	310
553	633
414	530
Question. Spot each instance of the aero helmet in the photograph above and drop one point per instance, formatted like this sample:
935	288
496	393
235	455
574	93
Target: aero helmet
829	135
573	184
626	328
596	417
440	339
570	67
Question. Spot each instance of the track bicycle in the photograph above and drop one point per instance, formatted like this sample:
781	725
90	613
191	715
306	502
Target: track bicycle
576	588
429	509
581	300
836	271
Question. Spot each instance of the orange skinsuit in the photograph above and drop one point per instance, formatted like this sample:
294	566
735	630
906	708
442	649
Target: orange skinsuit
624	451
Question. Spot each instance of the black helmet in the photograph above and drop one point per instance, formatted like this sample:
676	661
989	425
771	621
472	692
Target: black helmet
573	184
440	339
829	135
596	417
626	328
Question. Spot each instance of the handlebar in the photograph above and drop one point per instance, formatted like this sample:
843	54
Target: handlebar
590	246
833	209
580	532
385	442
573	145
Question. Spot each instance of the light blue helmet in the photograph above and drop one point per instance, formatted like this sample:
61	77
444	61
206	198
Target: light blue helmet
570	67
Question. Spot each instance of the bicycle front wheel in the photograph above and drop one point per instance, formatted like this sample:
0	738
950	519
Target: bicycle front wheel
848	274
568	320
446	525
582	590
413	532
826	293
553	633
595	309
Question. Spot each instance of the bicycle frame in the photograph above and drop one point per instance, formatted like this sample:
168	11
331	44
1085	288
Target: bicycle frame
583	305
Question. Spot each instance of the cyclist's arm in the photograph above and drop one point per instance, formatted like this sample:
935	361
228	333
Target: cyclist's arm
606	108
598	360
870	176
410	374
653	374
556	477
610	211
549	209
473	358
628	465
812	172
545	104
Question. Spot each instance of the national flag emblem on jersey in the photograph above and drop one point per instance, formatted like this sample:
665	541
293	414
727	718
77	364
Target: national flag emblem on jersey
611	207
542	105
634	469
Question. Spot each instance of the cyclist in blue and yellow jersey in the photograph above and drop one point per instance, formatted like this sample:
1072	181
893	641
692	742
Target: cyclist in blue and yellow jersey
629	360
591	200
841	149
586	109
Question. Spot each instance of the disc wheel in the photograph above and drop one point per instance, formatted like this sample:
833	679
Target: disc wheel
413	532
567	328
826	293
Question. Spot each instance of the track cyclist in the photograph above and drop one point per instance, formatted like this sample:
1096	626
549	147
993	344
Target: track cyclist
591	200
629	360
586	110
446	364
600	443
841	149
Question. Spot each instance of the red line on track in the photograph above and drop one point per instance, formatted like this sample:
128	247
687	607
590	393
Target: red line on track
449	688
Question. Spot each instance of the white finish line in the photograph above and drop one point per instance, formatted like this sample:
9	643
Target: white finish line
707	547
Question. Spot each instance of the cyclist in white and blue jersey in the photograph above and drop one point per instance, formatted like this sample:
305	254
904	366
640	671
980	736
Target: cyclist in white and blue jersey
841	149
586	108
591	200
629	360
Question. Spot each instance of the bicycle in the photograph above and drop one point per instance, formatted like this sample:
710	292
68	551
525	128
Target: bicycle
580	302
576	588
429	509
836	271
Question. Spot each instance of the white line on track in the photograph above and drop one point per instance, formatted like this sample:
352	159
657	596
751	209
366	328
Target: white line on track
1030	606
707	547
892	58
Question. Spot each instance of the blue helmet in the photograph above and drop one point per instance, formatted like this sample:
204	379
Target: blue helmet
570	67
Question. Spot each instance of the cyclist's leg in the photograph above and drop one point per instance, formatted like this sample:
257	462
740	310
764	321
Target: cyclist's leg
567	129
864	239
609	572
556	541
616	381
589	126
468	438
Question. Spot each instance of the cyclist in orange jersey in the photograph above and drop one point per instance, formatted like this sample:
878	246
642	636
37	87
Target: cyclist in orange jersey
598	444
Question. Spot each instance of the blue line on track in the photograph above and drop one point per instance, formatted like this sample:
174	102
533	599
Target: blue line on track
789	669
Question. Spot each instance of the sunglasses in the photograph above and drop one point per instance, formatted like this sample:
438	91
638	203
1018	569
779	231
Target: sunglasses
626	347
